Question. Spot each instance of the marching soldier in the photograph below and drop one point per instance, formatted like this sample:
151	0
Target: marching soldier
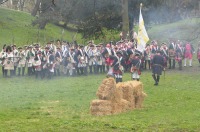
2	53
58	57
21	61
50	64
44	60
164	53
15	59
106	53
92	55
118	66
99	60
147	56
82	61
188	54
179	55
157	66
198	53
172	54
37	64
30	57
71	62
8	63
135	67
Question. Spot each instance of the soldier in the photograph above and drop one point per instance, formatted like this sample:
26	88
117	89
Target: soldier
135	67
21	61
164	53
172	54
82	61
157	67
15	59
147	56
188	53
30	57
179	55
50	64
9	62
106	53
2	53
92	55
58	59
71	62
44	60
99	60
37	64
118	66
198	53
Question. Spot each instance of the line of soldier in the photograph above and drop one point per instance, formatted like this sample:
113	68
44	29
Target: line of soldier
73	59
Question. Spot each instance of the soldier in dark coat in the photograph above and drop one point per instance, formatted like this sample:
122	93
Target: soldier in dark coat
118	66
157	67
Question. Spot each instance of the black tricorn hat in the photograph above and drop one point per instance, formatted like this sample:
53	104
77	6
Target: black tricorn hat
119	52
4	46
9	48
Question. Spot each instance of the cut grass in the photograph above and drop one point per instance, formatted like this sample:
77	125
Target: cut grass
62	104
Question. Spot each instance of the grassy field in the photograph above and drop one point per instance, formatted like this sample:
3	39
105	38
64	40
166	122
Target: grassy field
16	26
62	104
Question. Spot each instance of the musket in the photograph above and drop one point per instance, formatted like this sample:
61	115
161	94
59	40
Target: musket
62	33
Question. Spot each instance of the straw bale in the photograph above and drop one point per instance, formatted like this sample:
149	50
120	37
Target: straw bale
139	100
106	89
127	94
120	107
100	103
100	107
117	95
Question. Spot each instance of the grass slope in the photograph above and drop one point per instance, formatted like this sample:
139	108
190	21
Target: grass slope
62	104
185	30
16	26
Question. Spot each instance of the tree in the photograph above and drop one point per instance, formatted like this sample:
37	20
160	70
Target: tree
125	19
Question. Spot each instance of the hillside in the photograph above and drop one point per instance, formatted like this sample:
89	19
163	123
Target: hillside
16	26
185	30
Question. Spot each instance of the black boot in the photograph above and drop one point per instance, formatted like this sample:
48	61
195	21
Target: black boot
170	64
174	62
3	71
23	70
158	78
117	80
77	71
103	68
81	70
90	67
154	77
19	71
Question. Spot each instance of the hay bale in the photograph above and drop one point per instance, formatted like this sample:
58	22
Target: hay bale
100	107
127	93
120	107
139	100
106	89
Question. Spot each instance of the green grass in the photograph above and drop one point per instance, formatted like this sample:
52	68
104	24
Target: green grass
185	30
62	104
16	26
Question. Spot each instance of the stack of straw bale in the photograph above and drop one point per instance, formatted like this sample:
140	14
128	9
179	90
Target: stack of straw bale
116	98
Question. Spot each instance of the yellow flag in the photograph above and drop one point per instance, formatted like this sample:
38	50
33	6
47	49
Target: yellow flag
142	34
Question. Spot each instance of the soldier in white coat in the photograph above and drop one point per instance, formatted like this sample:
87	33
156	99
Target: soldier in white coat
21	56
